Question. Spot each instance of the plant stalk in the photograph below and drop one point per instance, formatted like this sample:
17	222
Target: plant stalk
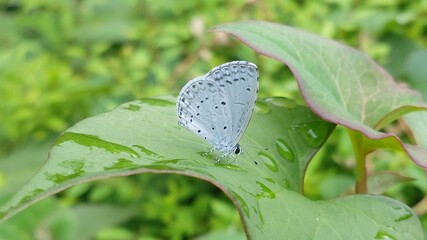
360	157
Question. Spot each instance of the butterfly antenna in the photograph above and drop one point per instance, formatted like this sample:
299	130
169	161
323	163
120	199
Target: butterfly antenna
256	163
257	147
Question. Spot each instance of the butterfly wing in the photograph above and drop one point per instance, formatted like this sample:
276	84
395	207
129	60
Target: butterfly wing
239	81
202	108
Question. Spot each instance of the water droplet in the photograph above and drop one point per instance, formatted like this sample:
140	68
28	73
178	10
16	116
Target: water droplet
73	169
266	192
268	161
286	183
242	203
262	108
132	107
31	195
311	133
208	155
156	102
122	164
228	165
403	213
391	228
310	136
60	178
259	213
282	102
270	180
384	235
147	151
91	141
284	150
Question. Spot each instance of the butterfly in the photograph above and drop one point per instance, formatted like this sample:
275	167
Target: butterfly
218	105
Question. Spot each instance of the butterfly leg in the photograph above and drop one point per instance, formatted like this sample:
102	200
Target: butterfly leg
221	157
234	157
207	153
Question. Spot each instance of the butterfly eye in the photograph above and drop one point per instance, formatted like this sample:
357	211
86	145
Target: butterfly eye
237	150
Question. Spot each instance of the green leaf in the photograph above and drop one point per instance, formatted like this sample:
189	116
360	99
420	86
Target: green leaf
417	121
415	70
339	83
379	182
143	136
18	166
44	220
92	218
48	219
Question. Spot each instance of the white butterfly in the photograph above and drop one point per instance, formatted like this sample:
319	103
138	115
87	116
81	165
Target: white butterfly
218	105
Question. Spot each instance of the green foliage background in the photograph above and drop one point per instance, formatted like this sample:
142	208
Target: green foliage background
62	61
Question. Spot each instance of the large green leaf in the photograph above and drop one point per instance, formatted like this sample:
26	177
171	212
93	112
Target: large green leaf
143	136
49	219
339	83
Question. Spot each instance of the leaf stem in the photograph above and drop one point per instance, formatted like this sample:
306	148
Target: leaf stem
360	157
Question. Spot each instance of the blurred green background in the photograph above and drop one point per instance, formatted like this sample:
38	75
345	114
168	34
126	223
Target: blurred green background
62	61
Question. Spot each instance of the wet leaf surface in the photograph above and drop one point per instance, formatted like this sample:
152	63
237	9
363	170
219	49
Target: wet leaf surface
143	136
